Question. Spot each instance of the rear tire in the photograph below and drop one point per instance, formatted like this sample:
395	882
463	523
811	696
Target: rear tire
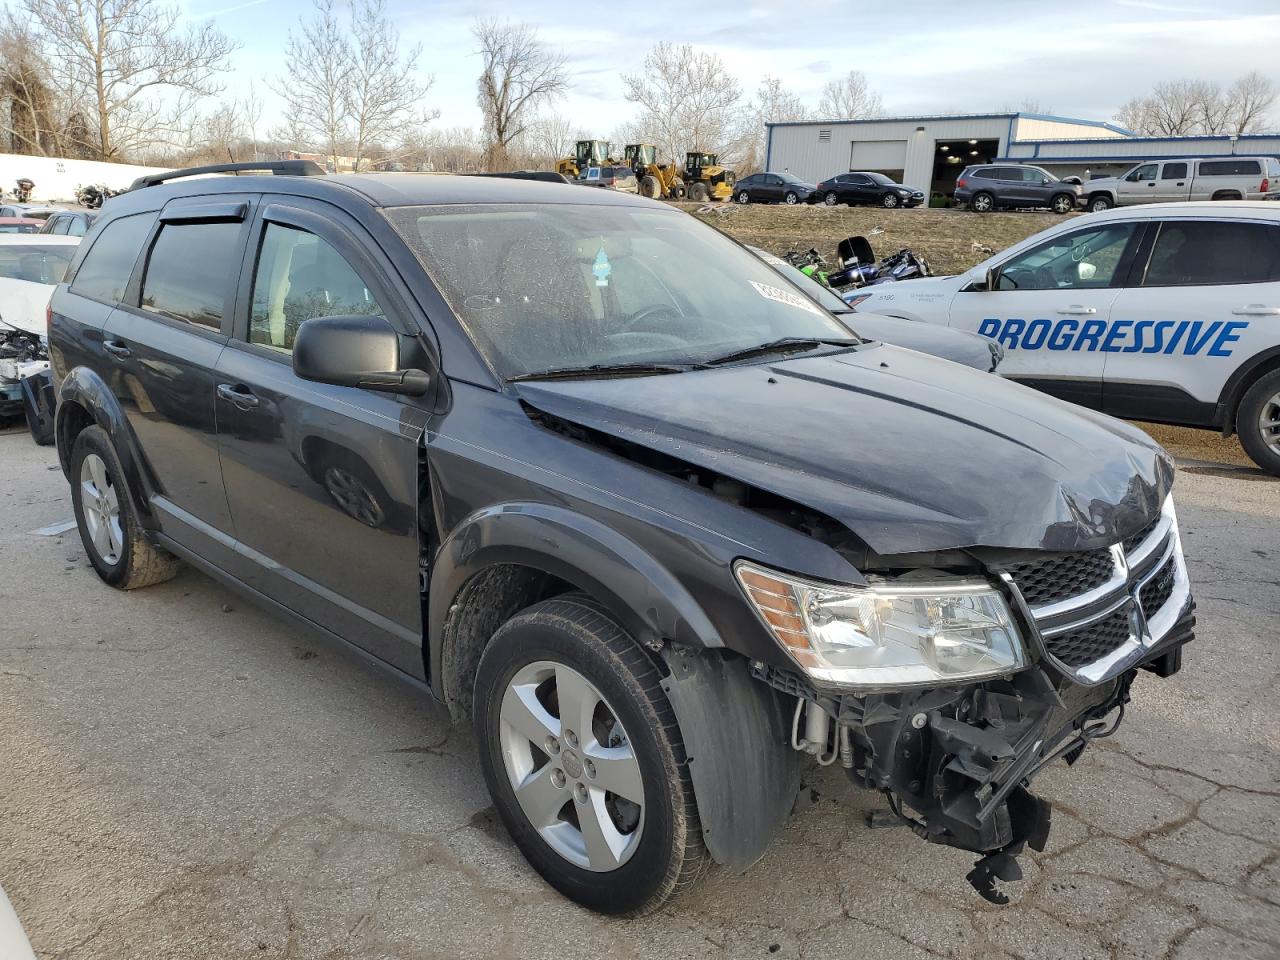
831	199
1062	203
743	197
597	847
1226	195
982	202
1258	422
1099	203
109	529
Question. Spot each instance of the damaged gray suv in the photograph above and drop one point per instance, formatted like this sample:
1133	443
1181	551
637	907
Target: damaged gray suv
603	482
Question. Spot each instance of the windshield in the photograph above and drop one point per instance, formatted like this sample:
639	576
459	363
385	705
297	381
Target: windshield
824	295
39	264
548	286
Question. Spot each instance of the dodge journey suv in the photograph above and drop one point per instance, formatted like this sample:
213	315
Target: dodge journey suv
667	536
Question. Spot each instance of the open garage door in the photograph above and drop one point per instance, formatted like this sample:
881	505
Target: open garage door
879	156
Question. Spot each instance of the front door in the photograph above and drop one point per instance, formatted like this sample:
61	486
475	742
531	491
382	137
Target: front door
1140	185
322	480
164	339
1051	306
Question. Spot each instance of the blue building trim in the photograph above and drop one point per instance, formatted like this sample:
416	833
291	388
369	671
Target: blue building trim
1134	158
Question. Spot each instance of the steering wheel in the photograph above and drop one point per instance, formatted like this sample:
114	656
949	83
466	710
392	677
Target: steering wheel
637	322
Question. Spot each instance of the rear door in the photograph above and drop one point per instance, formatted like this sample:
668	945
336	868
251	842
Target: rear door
164	340
1174	182
1204	300
771	188
322	480
1051	307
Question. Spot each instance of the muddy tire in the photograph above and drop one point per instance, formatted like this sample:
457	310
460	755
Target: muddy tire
698	192
103	503
1258	422
550	782
649	187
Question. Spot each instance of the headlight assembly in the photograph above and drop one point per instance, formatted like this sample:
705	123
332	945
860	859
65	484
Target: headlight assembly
886	635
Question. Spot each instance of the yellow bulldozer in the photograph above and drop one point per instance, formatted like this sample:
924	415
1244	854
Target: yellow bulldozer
706	179
586	153
656	180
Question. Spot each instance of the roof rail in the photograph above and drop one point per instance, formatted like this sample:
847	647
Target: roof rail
288	168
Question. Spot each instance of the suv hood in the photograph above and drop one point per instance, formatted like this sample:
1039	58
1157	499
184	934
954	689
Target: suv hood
909	452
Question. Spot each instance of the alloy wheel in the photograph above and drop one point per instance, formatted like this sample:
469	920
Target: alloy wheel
831	199
981	203
571	766
792	199
1062	204
100	504
890	200
353	496
1269	424
743	197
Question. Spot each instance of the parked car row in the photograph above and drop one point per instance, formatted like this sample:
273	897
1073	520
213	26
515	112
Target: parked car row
853	188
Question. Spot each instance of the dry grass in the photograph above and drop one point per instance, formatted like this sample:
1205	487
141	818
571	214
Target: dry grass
951	240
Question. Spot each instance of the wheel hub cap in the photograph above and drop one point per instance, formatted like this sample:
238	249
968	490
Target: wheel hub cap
1269	423
100	504
571	766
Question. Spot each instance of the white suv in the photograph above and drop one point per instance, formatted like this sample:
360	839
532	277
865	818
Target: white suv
1168	313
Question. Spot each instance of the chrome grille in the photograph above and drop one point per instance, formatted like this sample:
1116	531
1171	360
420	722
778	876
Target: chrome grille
1097	612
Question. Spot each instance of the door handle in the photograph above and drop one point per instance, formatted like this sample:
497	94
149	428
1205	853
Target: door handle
116	349
239	397
1076	310
1256	310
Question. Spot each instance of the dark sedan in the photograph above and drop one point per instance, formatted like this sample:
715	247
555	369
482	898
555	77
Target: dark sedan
773	188
867	189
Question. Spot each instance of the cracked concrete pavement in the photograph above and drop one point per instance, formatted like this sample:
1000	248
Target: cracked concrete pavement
183	776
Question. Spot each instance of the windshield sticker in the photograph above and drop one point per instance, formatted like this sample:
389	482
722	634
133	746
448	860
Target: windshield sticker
778	295
602	268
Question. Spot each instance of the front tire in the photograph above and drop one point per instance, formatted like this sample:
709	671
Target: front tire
1099	203
982	202
1258	422
1062	203
791	199
584	759
890	201
103	503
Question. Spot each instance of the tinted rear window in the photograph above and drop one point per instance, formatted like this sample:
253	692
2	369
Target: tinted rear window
106	268
1193	252
192	268
1229	168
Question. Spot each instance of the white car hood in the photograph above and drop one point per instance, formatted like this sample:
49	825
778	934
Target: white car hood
23	304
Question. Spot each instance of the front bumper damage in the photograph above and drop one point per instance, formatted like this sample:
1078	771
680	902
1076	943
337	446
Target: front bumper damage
956	763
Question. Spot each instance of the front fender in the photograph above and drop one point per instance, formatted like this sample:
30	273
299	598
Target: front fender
649	602
82	389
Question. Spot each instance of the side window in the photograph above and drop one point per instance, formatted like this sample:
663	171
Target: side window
1145	172
1191	252
1173	171
300	276
105	270
1229	168
60	225
773	180
191	269
76	227
1084	260
860	180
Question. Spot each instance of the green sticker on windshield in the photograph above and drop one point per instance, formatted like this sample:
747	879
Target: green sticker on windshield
601	268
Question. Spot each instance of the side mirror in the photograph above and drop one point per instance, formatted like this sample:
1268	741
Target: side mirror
991	279
1044	181
354	351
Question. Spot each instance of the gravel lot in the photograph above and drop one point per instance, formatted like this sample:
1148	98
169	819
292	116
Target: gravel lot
182	776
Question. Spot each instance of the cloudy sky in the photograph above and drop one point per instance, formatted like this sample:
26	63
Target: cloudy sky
1080	59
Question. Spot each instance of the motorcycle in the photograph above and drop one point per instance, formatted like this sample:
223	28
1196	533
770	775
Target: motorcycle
94	195
857	267
22	194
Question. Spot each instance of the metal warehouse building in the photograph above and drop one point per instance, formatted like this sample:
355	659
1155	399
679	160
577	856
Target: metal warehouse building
928	152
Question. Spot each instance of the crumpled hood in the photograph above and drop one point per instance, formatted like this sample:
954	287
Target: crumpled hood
909	452
23	303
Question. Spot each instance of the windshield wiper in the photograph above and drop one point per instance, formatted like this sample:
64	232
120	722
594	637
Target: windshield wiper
782	345
605	370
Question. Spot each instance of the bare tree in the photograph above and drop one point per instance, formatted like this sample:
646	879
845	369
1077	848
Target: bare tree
550	137
123	57
850	98
1180	108
383	98
519	73
772	104
688	101
314	84
32	114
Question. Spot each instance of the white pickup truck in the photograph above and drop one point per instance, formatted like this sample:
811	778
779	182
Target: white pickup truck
1210	178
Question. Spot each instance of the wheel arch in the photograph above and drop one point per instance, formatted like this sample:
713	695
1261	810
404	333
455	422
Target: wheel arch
1238	384
507	556
85	400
